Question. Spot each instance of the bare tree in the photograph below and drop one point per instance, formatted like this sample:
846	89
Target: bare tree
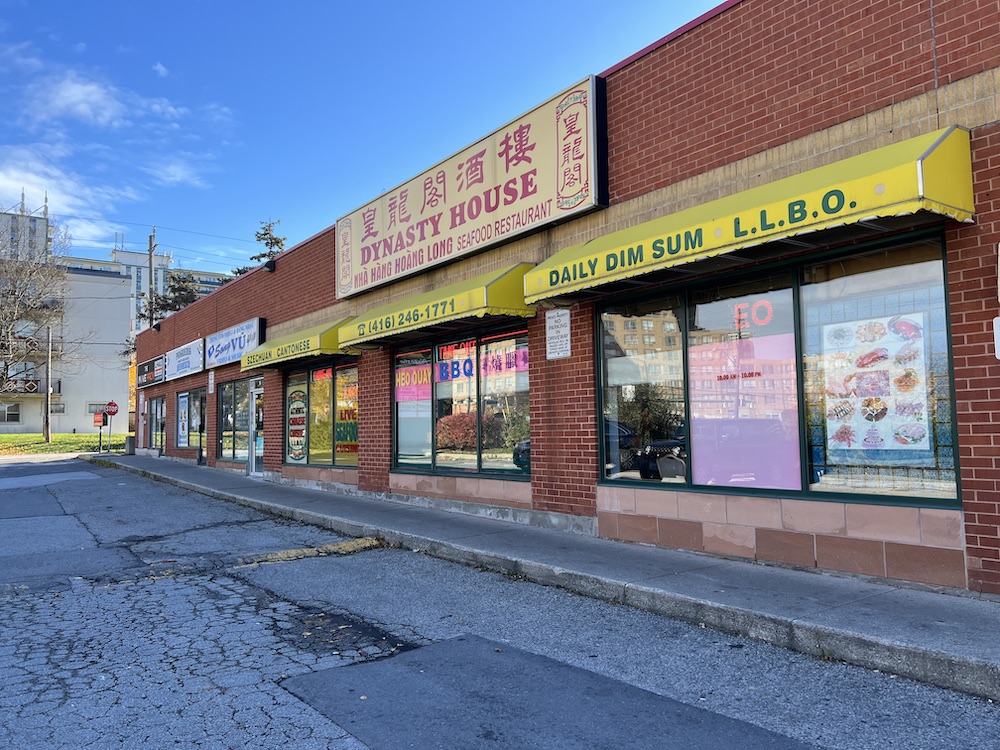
32	298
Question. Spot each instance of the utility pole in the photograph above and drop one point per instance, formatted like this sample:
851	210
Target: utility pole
149	299
48	386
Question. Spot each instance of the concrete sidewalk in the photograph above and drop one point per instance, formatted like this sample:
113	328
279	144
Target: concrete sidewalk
945	639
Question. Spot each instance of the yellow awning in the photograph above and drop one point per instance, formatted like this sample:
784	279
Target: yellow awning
310	342
493	293
931	172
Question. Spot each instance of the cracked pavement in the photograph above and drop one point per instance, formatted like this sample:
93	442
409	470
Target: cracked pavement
138	614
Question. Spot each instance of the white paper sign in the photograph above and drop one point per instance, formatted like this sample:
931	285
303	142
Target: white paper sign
557	334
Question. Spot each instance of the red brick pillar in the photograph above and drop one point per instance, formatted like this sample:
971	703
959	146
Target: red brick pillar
563	410
374	420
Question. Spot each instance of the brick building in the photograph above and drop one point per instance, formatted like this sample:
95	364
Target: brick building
735	294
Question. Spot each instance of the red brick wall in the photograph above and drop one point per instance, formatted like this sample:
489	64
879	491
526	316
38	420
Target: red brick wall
563	419
972	288
302	283
767	72
375	375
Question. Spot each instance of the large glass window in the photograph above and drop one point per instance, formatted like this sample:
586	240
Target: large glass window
644	425
10	413
345	429
456	401
721	402
321	416
877	364
234	420
413	408
743	339
463	405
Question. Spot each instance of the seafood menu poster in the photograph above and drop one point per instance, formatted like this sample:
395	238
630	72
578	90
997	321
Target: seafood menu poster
876	384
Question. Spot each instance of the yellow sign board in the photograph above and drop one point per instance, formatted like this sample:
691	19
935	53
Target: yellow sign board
927	173
494	293
309	342
536	170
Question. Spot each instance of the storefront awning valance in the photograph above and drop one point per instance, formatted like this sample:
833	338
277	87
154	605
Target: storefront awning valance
932	172
494	293
321	339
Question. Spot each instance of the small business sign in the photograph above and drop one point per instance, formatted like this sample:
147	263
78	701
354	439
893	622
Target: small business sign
149	372
185	360
231	344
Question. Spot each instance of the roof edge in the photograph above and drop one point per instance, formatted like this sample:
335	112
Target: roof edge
706	16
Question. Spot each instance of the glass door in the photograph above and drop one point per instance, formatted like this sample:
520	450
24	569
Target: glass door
256	462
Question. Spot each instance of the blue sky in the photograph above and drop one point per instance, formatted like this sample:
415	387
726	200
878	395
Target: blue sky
206	118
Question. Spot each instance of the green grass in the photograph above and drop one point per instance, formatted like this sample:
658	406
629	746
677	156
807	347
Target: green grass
15	445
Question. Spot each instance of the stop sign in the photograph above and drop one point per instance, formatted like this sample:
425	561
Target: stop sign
111	409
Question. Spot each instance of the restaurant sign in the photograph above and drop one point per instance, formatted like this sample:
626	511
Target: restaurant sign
538	169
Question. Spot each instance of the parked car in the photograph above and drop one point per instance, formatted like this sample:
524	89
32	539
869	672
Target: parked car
662	459
620	446
522	455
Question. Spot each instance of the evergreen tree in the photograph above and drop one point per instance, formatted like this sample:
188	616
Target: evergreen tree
272	244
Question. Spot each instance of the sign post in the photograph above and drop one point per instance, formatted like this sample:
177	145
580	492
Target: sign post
111	408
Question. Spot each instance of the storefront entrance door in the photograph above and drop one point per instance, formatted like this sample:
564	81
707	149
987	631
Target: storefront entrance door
256	462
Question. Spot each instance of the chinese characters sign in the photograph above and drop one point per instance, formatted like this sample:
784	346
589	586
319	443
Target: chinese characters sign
538	169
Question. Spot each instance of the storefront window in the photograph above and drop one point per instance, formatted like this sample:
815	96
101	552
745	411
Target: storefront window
644	426
741	350
877	364
346	424
321	416
296	418
413	408
463	405
183	419
234	420
157	420
875	397
456	400
503	367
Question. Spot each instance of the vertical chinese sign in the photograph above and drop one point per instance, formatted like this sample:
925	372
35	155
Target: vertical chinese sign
541	168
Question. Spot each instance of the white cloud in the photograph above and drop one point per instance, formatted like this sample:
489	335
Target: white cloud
80	47
78	98
178	169
161	70
19	58
36	169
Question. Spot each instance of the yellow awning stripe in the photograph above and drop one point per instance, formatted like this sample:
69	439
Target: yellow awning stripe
932	172
321	339
493	293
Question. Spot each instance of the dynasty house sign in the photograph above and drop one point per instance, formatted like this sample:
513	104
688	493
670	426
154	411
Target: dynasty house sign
541	168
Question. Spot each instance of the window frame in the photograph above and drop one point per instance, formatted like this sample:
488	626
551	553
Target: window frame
795	270
406	358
